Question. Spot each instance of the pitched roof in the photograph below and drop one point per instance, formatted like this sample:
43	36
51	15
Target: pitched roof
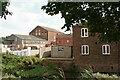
49	29
28	37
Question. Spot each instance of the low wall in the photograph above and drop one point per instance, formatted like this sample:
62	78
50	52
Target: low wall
61	52
34	52
61	62
45	52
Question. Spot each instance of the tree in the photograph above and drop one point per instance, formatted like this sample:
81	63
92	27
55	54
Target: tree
99	17
3	8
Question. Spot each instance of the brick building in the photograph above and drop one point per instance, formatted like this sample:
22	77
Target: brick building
64	40
88	52
45	33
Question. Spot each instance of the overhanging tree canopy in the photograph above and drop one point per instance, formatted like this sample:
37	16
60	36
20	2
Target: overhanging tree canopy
102	17
3	8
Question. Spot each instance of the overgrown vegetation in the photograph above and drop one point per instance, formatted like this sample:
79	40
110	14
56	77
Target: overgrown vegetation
29	68
89	75
38	69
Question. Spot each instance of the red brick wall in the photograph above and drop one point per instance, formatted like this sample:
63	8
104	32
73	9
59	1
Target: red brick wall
95	59
63	42
43	33
52	36
48	35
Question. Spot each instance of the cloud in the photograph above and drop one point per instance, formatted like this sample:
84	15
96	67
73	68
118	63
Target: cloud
26	16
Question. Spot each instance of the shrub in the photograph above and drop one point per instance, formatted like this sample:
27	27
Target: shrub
89	75
99	75
30	68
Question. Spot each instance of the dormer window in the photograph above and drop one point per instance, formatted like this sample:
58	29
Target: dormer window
84	32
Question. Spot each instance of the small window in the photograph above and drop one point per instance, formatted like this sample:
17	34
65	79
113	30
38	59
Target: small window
85	49
39	33
84	32
60	49
54	38
67	41
36	34
105	49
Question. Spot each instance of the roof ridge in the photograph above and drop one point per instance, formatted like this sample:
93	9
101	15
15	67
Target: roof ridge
49	28
30	36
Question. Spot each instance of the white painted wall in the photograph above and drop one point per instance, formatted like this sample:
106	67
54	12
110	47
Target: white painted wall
3	48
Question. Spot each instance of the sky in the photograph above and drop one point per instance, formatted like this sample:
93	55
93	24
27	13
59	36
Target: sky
27	14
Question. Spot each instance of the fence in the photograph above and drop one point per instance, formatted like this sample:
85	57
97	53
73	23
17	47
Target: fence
20	52
44	52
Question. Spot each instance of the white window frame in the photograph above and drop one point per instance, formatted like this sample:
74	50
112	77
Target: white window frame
105	52
85	34
85	50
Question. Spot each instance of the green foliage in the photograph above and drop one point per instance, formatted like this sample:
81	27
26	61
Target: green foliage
29	67
89	75
72	72
10	64
99	75
4	6
44	72
100	17
37	55
35	69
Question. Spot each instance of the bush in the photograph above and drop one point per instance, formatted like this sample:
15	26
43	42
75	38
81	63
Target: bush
89	75
30	67
99	75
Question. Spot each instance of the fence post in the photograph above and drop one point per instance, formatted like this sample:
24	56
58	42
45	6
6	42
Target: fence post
40	52
29	51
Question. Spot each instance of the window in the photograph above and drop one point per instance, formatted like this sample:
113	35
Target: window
60	49
85	49
67	41
105	49
39	33
36	34
18	46
54	38
84	32
15	39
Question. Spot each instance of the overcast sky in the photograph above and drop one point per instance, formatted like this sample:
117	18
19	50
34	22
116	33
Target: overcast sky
27	14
